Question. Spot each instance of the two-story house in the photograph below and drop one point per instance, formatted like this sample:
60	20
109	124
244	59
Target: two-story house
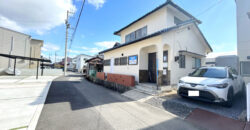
159	47
243	27
81	63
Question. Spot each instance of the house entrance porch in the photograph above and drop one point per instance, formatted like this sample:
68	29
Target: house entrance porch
153	65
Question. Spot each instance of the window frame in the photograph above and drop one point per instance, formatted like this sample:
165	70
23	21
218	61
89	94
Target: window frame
117	59
121	60
105	64
194	62
182	61
241	69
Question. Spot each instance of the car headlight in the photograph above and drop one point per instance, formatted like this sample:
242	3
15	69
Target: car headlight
219	85
181	81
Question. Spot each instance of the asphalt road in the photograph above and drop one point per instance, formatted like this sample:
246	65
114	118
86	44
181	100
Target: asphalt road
74	103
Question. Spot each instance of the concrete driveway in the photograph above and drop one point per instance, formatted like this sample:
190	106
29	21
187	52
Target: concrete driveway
183	106
21	100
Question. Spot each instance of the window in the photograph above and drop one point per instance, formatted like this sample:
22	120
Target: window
196	63
117	61
136	34
144	31
182	61
123	60
245	68
132	36
106	62
127	39
177	21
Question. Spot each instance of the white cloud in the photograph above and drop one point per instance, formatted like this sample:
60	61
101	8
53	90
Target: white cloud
34	15
216	54
48	47
97	3
74	51
105	44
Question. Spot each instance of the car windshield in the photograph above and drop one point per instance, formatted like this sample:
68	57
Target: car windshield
210	73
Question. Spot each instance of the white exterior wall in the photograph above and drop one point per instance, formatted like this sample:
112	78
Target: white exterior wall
21	47
80	62
154	23
130	50
183	39
243	27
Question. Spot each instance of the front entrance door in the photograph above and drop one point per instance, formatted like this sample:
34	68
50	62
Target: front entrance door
152	67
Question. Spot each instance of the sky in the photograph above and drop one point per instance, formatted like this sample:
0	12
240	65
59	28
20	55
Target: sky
45	20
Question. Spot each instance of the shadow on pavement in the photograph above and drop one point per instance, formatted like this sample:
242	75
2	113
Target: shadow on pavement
77	93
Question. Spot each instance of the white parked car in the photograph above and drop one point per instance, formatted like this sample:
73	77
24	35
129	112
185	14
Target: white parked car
212	84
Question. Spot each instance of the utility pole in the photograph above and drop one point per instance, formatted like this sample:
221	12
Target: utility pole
55	57
66	40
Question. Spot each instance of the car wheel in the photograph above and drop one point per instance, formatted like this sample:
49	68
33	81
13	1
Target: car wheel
230	95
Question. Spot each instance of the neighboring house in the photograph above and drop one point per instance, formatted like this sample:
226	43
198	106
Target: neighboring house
81	62
72	64
16	43
223	59
35	51
243	28
159	47
94	65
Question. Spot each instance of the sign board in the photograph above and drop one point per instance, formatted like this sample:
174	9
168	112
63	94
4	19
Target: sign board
165	65
164	71
133	60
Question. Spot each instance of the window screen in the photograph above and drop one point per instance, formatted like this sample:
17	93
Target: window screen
117	61
245	68
123	60
182	61
106	62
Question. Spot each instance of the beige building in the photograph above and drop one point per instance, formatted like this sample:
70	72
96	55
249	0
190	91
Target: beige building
20	44
35	51
243	28
159	47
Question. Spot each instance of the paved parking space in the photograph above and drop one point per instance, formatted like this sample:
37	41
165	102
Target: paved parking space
239	105
21	100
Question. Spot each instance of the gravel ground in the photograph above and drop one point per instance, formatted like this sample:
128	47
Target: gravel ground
184	106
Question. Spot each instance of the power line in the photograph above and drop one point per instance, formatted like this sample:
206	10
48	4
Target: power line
79	17
210	7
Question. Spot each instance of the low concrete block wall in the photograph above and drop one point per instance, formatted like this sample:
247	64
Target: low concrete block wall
100	75
125	80
110	85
